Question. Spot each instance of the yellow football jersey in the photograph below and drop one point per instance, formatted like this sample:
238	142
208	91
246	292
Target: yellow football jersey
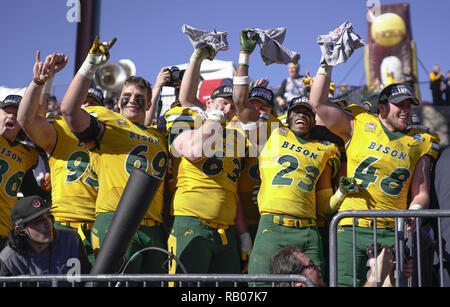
123	146
249	178
290	168
15	160
206	188
383	162
74	183
283	120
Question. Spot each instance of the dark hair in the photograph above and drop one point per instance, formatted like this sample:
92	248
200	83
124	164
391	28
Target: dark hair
285	261
17	241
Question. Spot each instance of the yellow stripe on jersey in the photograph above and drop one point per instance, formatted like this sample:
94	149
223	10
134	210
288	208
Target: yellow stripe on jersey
74	183
124	146
383	162
15	160
290	168
283	120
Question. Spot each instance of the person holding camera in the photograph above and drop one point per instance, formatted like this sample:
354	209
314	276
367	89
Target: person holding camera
388	159
166	77
382	268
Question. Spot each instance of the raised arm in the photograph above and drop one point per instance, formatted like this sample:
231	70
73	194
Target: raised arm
246	112
189	84
30	119
162	79
78	119
333	116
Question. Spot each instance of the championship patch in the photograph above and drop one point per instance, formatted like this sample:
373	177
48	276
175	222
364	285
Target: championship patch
122	122
283	131
370	127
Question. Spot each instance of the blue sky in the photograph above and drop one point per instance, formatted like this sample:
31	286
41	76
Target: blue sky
149	33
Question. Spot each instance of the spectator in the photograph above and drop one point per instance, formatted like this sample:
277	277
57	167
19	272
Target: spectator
447	89
35	247
409	78
110	104
292	179
53	106
390	78
442	197
436	79
376	87
376	162
293	260
118	143
162	79
204	227
73	182
384	273
291	87
20	158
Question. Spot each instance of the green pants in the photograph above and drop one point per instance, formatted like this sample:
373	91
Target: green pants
364	237
202	248
271	237
151	261
85	238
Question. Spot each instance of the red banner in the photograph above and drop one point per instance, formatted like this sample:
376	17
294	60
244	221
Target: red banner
208	86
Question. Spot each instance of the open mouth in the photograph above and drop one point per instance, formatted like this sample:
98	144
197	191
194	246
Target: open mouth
9	125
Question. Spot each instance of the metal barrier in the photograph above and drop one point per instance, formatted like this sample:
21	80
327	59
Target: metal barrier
399	216
143	280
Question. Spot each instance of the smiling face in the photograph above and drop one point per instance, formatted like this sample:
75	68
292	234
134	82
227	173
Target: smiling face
8	122
134	102
395	116
301	121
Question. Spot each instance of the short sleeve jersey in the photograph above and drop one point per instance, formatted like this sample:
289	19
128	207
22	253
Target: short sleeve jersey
123	146
383	162
74	182
206	188
15	160
290	168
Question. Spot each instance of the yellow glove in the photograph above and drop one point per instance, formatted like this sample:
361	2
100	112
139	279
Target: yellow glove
97	56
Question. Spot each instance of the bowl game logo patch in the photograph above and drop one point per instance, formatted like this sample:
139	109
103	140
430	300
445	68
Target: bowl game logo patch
370	127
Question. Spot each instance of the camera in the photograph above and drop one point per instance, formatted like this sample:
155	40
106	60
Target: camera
176	75
370	250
